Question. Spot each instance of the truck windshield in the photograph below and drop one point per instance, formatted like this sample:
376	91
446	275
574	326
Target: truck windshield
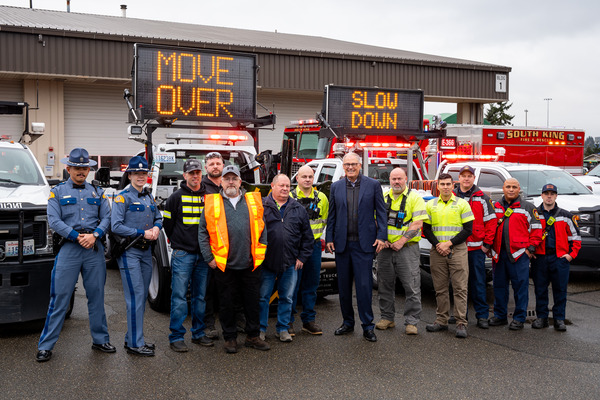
533	181
170	172
17	166
310	147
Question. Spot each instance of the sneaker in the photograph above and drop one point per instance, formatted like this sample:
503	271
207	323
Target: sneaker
179	346
291	329
515	325
452	320
204	341
211	333
495	321
436	327
559	325
540	323
312	328
262	335
461	331
483	323
411	330
284	336
257	343
383	324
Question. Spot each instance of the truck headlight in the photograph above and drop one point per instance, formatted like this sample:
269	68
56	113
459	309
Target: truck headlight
585	230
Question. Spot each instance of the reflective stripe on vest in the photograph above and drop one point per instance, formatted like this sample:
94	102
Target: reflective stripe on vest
216	225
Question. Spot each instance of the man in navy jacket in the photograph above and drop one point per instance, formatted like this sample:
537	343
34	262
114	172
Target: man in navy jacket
289	246
356	229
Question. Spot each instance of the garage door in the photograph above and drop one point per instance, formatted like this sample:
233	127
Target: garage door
287	107
11	125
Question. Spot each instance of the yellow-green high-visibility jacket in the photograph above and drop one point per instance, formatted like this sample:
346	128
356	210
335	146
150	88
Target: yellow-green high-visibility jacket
414	210
317	225
447	218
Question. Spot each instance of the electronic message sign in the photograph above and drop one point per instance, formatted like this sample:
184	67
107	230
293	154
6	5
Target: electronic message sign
373	111
191	84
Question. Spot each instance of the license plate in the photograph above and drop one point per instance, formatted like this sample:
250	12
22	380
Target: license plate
164	158
12	248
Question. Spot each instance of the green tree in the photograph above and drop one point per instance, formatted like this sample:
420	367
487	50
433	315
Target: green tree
497	114
589	150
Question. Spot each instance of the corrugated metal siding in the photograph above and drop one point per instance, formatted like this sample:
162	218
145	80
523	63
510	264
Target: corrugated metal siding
287	108
69	56
11	125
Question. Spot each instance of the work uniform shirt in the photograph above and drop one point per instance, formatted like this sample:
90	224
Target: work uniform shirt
76	208
414	210
447	217
317	207
182	216
134	212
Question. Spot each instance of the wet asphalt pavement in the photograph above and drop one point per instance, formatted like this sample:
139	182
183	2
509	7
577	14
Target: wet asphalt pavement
495	363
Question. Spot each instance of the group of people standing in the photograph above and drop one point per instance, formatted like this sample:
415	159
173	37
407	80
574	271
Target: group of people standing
247	245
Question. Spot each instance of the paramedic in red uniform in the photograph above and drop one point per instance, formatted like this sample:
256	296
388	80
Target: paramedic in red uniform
559	246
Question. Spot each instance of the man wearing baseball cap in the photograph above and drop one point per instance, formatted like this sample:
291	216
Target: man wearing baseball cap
560	244
136	217
181	218
80	214
233	240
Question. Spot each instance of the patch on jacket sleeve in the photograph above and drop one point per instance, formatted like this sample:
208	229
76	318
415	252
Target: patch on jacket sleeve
119	199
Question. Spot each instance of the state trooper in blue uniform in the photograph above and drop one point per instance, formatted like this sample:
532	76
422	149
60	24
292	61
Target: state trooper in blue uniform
80	214
135	214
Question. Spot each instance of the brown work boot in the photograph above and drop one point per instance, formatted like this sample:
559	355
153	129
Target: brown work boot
411	330
257	343
312	328
231	346
383	324
291	329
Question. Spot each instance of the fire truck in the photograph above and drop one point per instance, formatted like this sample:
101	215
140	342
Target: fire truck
561	148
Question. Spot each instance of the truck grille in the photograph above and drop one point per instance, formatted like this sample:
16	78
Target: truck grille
32	223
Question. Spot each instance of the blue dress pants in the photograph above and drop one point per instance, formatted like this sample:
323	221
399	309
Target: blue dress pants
548	269
72	259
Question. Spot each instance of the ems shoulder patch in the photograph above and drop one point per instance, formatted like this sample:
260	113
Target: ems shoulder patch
575	219
119	199
536	214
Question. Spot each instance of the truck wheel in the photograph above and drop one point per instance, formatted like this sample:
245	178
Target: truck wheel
71	304
375	282
159	293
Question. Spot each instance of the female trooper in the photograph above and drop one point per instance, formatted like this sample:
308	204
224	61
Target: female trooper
136	219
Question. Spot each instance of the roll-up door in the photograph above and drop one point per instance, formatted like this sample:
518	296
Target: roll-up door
11	125
288	106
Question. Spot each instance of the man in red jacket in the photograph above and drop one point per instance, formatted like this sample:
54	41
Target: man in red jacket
480	242
518	233
559	246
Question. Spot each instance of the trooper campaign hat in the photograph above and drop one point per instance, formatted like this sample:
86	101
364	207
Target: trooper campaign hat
137	163
78	157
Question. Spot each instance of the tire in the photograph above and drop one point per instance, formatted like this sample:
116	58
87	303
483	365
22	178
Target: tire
71	304
374	272
159	293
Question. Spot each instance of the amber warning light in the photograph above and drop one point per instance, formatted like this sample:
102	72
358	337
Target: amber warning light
197	85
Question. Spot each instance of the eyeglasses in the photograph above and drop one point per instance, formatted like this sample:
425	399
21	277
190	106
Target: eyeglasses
214	154
351	164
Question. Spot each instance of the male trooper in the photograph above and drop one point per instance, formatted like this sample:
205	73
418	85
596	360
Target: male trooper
400	258
136	217
559	246
80	214
317	207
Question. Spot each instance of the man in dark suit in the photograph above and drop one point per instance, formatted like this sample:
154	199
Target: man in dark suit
356	229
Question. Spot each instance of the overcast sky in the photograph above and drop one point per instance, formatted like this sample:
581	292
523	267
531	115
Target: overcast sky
552	46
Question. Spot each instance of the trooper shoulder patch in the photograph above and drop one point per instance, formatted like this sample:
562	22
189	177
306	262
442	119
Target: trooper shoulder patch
52	195
119	199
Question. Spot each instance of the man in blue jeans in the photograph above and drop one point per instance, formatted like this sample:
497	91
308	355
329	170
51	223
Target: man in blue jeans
317	207
290	244
181	217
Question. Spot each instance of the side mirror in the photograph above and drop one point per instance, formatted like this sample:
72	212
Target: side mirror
65	174
53	182
103	176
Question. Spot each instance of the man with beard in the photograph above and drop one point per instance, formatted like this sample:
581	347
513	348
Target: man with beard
181	218
79	213
233	240
400	258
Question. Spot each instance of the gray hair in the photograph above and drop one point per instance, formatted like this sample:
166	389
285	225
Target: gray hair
353	155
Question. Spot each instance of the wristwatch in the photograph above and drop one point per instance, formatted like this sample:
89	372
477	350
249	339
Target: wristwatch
96	235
